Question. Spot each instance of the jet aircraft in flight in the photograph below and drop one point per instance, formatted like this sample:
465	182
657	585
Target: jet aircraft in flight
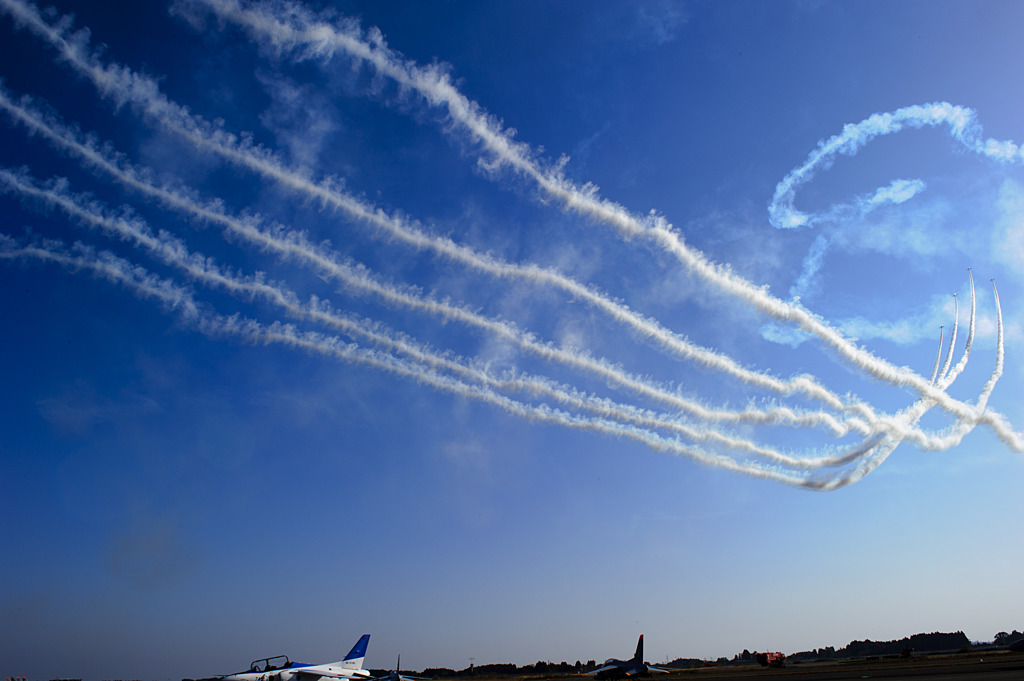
280	668
623	669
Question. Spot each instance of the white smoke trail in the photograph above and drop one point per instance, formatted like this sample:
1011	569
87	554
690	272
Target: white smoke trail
951	374
106	266
897	192
294	245
172	251
938	358
952	335
963	127
289	27
360	280
882	433
127	87
955	433
914	413
146	285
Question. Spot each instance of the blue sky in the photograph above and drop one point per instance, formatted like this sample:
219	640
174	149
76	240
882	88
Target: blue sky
240	418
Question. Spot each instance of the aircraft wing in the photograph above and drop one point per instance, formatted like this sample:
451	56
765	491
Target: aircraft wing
659	670
602	669
313	673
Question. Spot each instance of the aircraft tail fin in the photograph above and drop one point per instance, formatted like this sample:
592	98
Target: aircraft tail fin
639	655
354	659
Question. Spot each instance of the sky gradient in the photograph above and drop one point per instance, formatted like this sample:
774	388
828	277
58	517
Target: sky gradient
505	332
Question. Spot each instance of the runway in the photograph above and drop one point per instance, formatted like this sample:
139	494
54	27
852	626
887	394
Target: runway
962	668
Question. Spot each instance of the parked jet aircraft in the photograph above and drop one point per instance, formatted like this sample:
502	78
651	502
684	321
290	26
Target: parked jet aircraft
622	669
280	668
397	675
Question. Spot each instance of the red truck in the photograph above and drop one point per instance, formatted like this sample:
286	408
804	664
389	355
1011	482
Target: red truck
770	659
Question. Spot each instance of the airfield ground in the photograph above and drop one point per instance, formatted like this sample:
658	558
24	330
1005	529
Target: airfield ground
986	666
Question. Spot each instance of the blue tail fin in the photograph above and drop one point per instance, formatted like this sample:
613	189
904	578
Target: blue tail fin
354	659
359	649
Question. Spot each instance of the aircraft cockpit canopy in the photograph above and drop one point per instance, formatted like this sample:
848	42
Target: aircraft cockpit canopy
269	664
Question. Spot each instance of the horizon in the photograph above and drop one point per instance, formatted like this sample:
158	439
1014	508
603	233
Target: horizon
591	662
508	329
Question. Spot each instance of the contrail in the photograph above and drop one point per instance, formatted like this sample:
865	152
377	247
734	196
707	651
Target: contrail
288	27
173	252
952	334
955	433
70	53
913	414
373	344
898	191
963	127
292	245
950	374
106	266
938	358
125	86
295	246
146	285
360	280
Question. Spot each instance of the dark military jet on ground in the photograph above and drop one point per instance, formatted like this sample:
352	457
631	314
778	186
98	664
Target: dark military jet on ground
624	669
